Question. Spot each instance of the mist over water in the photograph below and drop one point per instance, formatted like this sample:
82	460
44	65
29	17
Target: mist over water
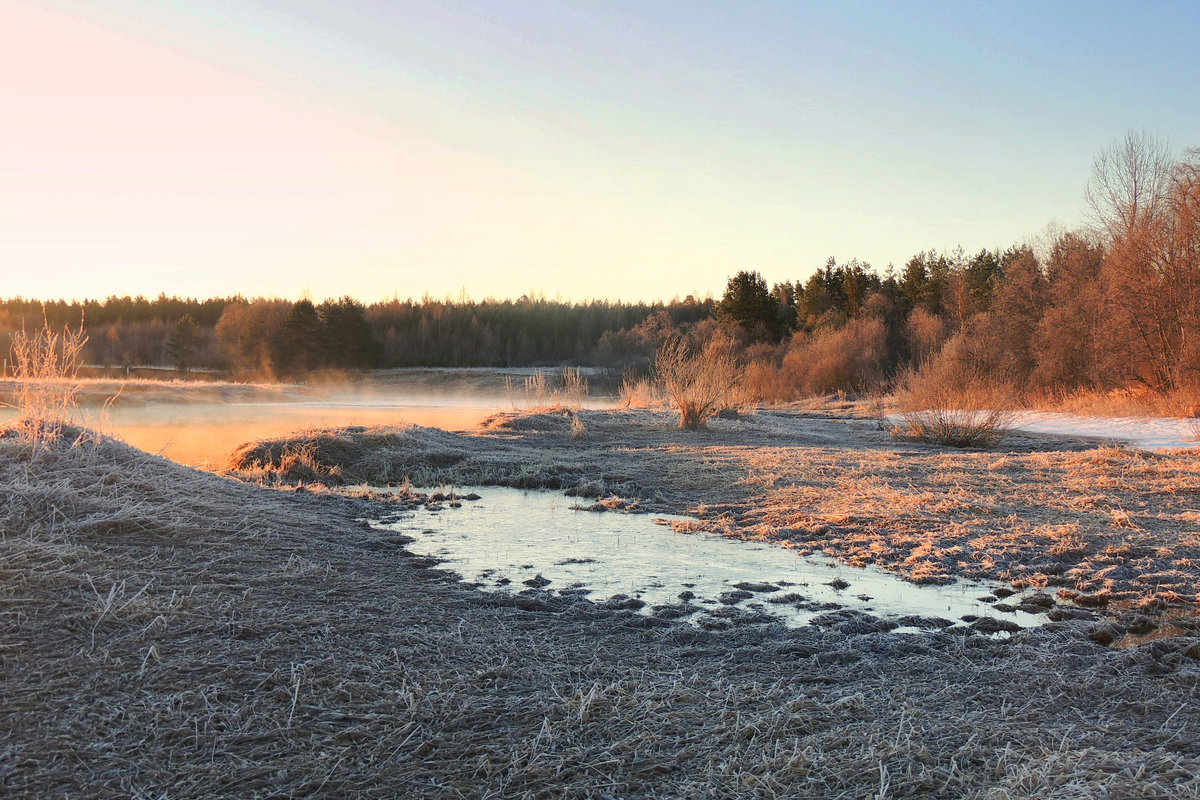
206	434
201	423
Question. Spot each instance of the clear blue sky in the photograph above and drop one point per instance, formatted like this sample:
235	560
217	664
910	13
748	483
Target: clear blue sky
580	149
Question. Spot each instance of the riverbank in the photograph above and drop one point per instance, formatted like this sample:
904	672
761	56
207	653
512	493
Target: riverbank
1096	524
173	632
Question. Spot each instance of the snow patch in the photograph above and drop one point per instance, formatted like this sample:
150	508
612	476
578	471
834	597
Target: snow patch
1144	433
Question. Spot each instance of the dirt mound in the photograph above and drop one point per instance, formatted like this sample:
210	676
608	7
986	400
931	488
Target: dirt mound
352	455
553	420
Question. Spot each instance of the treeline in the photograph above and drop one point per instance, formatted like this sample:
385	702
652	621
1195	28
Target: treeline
1113	306
523	332
122	331
1008	318
278	338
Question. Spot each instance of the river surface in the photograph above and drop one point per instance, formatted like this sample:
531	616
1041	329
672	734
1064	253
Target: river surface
205	434
202	423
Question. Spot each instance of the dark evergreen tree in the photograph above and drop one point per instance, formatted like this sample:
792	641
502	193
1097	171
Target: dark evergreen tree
301	339
349	341
784	294
981	274
747	304
183	343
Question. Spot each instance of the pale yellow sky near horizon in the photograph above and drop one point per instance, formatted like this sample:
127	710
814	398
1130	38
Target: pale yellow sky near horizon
136	169
607	150
130	166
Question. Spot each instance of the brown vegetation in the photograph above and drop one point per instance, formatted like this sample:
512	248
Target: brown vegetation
851	358
45	365
569	390
826	480
943	403
952	426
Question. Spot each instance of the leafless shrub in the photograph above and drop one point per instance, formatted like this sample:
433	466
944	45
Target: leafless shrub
764	382
640	392
954	427
942	402
926	334
847	358
700	385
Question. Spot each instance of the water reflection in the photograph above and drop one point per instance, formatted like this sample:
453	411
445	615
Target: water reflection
201	423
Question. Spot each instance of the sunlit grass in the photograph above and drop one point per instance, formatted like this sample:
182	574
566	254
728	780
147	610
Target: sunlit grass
45	365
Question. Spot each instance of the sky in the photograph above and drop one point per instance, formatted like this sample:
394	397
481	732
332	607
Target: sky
581	150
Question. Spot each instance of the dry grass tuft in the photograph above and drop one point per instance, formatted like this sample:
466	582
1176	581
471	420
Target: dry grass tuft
578	429
573	388
941	405
569	391
45	366
953	427
640	392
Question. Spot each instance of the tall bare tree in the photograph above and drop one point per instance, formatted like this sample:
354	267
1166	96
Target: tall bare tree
1144	203
1130	182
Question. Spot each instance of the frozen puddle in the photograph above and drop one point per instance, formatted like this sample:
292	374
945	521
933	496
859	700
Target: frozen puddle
513	540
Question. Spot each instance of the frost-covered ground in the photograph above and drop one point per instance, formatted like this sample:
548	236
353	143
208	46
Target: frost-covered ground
1146	433
168	632
1111	524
